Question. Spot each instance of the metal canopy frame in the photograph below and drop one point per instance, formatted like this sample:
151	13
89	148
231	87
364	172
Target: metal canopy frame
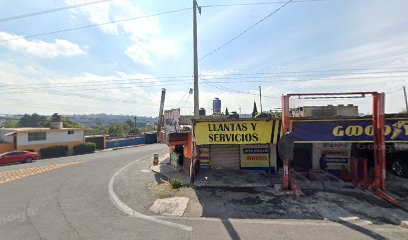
378	186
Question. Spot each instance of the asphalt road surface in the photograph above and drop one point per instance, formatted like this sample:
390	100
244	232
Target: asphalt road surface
68	198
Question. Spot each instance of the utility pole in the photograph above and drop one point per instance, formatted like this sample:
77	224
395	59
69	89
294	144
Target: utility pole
260	98
406	102
160	119
196	96
135	124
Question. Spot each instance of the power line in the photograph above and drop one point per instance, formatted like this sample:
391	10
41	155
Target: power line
393	91
53	10
245	31
23	88
94	25
188	89
234	90
187	78
257	3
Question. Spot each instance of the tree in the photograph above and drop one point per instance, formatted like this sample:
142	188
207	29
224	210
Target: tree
255	110
226	112
9	123
130	123
118	129
67	123
33	120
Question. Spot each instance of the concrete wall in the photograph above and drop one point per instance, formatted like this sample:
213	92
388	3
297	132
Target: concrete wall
6	147
124	142
52	137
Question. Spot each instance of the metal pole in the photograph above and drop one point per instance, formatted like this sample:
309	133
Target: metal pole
196	96
260	97
406	101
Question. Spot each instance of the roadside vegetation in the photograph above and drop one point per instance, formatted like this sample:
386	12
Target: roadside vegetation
54	151
165	189
84	148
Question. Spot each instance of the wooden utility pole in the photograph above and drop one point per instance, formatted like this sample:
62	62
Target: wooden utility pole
406	102
196	96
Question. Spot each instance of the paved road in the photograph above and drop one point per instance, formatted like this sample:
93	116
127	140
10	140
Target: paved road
67	198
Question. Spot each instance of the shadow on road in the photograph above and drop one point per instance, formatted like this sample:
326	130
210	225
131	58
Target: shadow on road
362	230
230	229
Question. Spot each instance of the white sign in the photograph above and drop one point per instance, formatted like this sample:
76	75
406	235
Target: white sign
171	120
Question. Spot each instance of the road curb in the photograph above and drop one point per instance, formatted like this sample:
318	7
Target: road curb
132	213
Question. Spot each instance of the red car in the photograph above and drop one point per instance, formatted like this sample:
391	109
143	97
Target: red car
18	156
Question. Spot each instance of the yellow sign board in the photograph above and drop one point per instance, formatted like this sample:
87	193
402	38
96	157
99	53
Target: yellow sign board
255	156
239	132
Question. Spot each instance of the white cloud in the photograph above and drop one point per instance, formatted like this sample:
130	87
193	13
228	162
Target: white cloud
139	54
143	33
40	48
45	91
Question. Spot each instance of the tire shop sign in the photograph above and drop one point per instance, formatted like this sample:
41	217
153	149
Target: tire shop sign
348	130
233	132
255	156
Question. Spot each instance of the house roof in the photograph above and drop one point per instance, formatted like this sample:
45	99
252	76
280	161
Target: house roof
23	130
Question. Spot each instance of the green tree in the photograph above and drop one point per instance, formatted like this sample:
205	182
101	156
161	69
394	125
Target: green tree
118	129
226	112
33	120
97	129
67	123
130	123
9	123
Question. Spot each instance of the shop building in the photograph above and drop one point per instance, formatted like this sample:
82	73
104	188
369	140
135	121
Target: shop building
341	140
247	144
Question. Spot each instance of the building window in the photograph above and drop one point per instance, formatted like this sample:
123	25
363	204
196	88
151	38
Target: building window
70	132
37	136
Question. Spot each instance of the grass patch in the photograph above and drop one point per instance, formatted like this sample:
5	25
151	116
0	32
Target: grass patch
176	184
164	189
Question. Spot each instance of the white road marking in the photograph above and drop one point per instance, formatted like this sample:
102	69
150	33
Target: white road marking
132	213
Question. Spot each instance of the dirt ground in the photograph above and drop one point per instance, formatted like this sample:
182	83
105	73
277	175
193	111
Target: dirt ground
322	198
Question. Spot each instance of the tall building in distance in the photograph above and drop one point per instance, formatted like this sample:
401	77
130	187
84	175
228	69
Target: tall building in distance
216	106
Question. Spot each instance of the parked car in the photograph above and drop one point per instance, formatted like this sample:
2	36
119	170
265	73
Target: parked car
396	156
399	159
18	156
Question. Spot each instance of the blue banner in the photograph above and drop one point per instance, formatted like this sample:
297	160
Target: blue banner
349	130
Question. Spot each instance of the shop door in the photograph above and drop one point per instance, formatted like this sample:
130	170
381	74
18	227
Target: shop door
225	156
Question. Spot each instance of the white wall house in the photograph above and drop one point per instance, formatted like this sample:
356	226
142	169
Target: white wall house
37	138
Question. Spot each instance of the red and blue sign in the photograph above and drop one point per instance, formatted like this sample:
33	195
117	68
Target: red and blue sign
348	130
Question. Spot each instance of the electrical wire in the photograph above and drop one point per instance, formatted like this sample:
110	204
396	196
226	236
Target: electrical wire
257	3
139	82
188	89
53	10
94	25
235	90
245	31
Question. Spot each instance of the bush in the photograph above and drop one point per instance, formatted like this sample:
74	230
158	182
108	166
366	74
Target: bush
175	184
54	151
82	148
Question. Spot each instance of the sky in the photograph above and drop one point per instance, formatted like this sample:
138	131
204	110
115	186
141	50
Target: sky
120	68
